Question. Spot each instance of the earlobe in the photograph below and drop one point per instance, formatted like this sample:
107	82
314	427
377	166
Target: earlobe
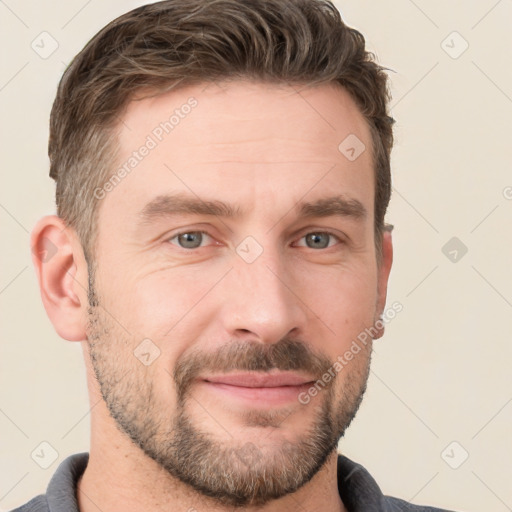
61	268
384	270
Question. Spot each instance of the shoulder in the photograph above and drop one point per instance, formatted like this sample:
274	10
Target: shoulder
37	504
61	491
361	493
396	505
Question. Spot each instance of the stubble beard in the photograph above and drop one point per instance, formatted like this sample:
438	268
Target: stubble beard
233	473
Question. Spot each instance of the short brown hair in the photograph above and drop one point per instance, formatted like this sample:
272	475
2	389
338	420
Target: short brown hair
176	43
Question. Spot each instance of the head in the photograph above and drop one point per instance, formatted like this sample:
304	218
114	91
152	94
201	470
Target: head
223	173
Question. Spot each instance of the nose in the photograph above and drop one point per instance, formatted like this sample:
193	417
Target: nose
262	301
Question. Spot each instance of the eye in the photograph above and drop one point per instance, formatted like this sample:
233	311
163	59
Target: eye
195	239
189	239
319	240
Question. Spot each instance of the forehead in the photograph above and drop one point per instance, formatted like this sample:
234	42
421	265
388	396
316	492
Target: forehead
243	110
247	141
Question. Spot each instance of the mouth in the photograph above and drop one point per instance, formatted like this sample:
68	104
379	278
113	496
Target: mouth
258	388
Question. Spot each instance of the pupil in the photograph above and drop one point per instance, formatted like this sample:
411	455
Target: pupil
316	239
190	240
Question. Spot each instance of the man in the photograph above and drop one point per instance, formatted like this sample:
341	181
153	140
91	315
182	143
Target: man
222	174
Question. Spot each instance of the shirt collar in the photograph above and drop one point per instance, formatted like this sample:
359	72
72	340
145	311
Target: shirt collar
358	490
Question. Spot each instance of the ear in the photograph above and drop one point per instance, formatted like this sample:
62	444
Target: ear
61	271
384	268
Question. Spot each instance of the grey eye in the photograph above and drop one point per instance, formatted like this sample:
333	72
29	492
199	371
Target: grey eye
190	240
317	240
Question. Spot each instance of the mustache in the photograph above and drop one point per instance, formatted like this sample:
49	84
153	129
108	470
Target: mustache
286	355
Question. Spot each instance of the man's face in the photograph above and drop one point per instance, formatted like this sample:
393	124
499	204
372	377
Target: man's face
210	329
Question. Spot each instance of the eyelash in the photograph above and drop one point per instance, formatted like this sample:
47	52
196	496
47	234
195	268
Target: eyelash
338	239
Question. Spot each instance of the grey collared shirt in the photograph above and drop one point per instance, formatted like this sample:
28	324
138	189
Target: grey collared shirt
358	490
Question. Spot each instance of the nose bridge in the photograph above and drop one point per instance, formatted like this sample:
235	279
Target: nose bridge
262	300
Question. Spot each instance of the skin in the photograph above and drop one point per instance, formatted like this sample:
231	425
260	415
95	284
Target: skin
264	148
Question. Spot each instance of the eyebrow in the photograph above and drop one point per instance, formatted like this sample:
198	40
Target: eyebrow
169	205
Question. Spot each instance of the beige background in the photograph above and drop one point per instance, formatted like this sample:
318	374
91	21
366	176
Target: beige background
441	373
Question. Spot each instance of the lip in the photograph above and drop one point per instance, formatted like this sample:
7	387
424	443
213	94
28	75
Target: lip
257	389
259	379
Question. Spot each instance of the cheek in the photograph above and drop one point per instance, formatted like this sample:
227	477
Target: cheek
163	303
344	299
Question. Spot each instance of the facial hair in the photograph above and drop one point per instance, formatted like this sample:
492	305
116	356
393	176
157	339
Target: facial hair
237	472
